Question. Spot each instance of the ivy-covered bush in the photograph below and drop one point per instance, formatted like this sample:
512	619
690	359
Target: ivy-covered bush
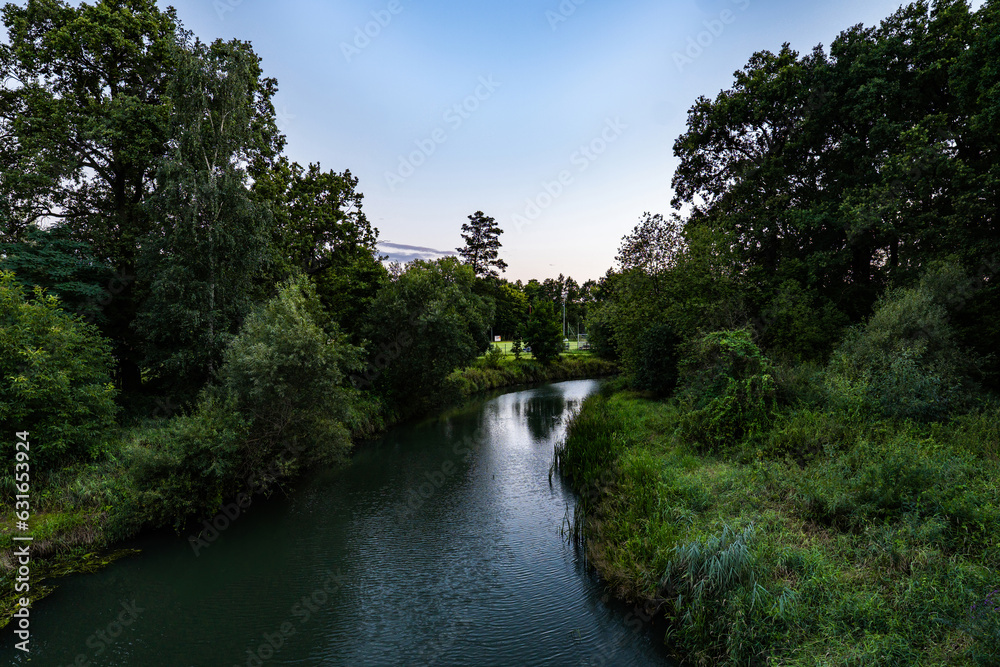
728	390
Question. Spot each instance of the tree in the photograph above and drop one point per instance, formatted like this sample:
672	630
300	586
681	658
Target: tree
347	288
287	370
55	379
321	229
544	333
319	219
84	118
517	348
482	245
424	324
65	268
510	305
656	370
203	269
653	246
816	178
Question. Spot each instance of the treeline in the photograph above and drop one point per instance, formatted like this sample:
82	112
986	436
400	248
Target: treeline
800	465
818	184
184	312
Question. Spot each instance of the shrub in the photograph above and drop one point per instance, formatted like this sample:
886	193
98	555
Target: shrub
426	322
727	387
544	333
798	324
601	332
55	379
286	372
280	404
190	466
494	357
905	362
656	368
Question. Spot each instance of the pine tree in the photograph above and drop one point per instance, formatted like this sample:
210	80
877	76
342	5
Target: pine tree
482	246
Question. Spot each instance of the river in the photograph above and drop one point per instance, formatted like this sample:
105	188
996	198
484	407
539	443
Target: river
440	544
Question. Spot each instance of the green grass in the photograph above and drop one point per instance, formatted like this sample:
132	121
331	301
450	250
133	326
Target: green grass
574	348
828	542
507	372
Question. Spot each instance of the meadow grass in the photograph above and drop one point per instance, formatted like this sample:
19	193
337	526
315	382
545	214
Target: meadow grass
828	541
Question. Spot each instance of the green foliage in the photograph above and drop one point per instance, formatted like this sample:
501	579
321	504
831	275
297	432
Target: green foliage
798	324
905	361
88	117
280	404
286	371
87	136
544	333
511	306
422	326
873	480
807	172
517	348
686	283
348	286
601	333
64	267
494	357
729	390
319	221
656	369
55	380
203	271
191	465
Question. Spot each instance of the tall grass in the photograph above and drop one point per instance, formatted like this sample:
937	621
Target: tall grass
838	538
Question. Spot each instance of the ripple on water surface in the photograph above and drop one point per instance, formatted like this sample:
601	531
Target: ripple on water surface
444	539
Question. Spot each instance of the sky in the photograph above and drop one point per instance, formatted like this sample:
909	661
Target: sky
555	117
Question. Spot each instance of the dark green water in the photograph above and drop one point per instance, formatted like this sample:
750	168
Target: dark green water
443	542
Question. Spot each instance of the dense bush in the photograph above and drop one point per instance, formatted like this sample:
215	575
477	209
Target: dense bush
189	466
286	371
601	332
727	387
280	404
904	362
797	324
544	333
55	379
422	326
656	367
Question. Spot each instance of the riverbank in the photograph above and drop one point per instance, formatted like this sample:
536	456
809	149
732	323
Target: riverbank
825	539
511	372
87	509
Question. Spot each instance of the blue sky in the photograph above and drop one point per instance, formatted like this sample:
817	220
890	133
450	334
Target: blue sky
556	117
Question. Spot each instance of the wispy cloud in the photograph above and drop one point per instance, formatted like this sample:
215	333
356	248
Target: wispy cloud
399	252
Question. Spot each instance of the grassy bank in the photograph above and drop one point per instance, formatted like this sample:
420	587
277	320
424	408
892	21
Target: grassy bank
826	538
487	375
